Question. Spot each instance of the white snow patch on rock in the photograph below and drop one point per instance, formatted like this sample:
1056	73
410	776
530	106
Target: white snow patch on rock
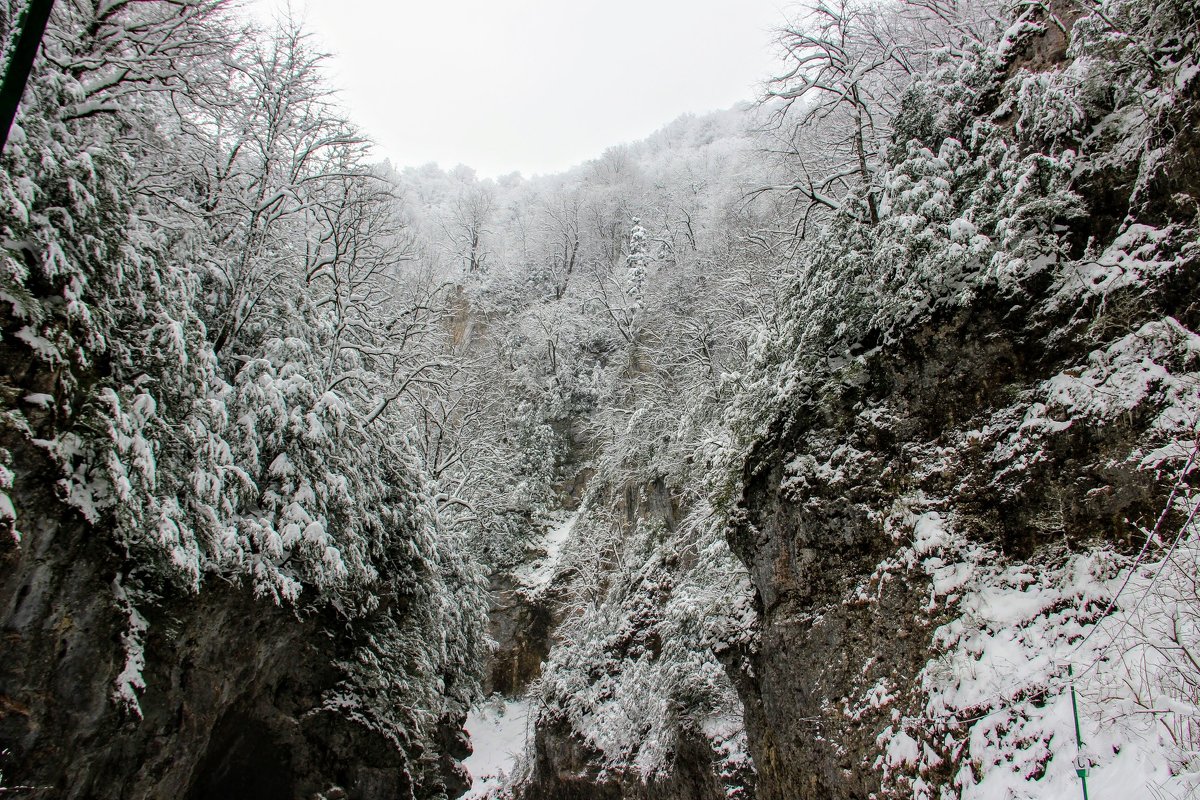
538	574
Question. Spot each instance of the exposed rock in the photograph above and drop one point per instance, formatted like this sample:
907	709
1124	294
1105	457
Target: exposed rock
566	770
921	418
232	705
522	627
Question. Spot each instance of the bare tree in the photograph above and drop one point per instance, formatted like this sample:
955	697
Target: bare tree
846	70
467	223
848	65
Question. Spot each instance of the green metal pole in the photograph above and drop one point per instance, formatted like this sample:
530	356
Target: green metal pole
1080	767
16	75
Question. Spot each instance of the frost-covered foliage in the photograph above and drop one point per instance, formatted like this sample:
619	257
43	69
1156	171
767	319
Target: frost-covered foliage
204	289
640	672
603	301
599	345
1035	172
978	188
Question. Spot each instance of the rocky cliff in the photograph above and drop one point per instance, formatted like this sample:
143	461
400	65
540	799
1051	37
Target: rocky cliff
221	575
994	428
232	689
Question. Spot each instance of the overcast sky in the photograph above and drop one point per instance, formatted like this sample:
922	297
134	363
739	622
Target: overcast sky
534	86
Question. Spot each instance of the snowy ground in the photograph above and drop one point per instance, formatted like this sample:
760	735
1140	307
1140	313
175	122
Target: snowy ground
498	730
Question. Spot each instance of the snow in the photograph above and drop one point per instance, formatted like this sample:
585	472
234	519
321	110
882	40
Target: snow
8	514
1133	259
727	735
998	700
929	533
898	748
538	574
130	682
498	729
1004	673
1153	368
1128	372
40	345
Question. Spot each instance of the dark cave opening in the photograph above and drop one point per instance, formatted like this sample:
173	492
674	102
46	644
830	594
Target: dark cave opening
244	761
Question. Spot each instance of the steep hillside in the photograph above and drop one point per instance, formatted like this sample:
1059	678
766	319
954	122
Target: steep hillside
980	475
605	315
222	573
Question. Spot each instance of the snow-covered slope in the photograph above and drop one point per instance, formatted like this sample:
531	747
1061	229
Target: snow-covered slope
973	451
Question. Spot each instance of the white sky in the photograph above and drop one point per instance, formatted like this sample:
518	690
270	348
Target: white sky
534	86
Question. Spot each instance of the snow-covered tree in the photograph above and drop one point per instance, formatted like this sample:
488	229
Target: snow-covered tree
206	283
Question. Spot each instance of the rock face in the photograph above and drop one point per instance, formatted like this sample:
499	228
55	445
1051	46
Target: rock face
232	704
565	770
815	553
522	627
811	553
920	417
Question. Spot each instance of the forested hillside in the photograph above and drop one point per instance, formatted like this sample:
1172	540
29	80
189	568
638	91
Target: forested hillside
604	320
835	446
225	559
